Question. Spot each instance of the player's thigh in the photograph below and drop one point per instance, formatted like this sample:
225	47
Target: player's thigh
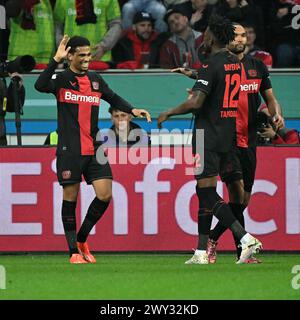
100	176
248	164
70	192
210	170
231	173
103	189
236	191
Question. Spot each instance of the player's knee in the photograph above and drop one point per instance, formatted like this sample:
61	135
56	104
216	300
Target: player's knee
105	196
70	193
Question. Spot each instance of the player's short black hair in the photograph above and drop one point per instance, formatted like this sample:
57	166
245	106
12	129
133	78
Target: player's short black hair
250	26
221	28
77	41
112	109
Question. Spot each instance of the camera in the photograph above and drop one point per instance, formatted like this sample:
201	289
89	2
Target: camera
263	121
21	64
12	97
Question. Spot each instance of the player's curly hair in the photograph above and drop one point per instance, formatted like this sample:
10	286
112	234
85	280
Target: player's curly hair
77	41
221	28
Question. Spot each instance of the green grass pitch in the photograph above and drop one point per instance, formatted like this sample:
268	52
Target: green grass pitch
147	276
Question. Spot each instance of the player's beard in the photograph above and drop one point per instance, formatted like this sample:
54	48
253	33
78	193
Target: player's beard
238	49
84	66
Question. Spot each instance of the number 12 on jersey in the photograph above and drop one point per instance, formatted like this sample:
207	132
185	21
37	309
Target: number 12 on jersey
232	86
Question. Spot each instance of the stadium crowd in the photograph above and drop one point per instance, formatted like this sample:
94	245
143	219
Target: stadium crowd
138	34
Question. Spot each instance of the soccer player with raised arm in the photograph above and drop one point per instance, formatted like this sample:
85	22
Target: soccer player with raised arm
78	94
214	103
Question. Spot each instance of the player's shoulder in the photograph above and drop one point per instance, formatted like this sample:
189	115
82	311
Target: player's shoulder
59	75
251	61
94	76
223	57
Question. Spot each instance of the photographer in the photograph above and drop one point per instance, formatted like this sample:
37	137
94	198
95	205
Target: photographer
268	134
11	100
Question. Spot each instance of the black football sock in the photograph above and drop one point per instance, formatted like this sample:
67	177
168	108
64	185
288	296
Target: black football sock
205	215
204	222
95	212
238	211
217	231
211	200
69	222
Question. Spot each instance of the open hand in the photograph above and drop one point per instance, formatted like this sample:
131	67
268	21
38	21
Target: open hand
142	113
185	71
62	51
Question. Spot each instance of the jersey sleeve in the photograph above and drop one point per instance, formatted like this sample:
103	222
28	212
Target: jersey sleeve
265	79
47	80
205	79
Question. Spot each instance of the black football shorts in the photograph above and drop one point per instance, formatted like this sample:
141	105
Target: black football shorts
216	163
247	162
71	168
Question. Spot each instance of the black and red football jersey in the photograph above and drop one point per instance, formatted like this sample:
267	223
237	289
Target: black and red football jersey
254	80
219	77
78	99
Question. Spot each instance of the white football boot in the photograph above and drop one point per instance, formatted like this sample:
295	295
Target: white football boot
249	249
201	258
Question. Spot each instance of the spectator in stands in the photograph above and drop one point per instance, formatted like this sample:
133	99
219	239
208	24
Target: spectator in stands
99	21
183	5
244	12
269	134
200	15
286	33
31	30
171	3
154	7
123	131
198	12
138	47
181	49
254	50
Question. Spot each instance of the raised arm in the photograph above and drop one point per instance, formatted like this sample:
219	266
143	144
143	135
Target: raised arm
45	83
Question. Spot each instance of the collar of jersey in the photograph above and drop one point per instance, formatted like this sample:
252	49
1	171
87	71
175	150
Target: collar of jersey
77	74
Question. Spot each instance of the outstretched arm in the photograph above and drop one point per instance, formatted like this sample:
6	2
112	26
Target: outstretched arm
187	72
189	106
141	113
